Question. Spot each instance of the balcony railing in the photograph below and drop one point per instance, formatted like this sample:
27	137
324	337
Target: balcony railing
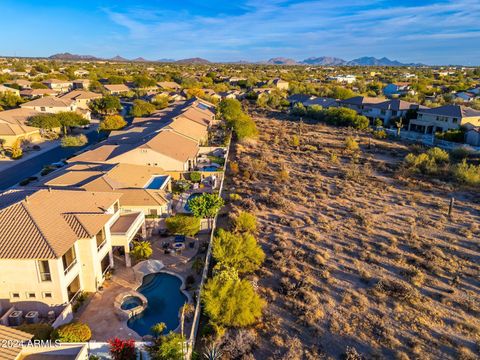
99	247
70	266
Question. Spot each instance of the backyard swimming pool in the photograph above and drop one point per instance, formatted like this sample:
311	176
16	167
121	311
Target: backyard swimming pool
165	299
157	182
192	196
210	168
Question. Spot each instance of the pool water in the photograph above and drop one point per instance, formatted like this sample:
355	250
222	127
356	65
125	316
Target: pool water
164	302
157	182
192	196
130	302
210	168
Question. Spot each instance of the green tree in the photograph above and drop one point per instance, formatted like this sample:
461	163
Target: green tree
38	85
142	81
238	251
44	121
158	329
69	119
112	122
195	177
142	250
245	222
161	101
106	105
141	108
183	225
230	301
205	206
9	100
167	347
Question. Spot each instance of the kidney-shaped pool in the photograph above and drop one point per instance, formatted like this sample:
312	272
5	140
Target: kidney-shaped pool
165	299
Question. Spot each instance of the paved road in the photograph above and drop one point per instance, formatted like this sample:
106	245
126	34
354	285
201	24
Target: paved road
17	173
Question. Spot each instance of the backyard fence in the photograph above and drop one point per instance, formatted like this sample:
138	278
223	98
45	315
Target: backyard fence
198	305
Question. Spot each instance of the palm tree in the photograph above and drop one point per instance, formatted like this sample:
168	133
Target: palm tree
142	250
212	352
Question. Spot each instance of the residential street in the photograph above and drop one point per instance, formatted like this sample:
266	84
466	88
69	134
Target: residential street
24	169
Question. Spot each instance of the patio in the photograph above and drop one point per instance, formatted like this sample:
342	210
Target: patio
99	312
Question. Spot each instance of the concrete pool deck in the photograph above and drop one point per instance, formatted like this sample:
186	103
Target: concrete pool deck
99	312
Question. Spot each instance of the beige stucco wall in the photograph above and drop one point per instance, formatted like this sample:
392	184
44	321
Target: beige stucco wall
33	137
149	157
51	110
22	276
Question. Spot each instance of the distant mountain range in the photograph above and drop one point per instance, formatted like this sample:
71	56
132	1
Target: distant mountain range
322	60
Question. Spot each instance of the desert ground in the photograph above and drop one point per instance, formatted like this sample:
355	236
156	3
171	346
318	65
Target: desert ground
362	261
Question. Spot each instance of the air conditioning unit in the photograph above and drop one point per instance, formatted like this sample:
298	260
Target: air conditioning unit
32	317
15	318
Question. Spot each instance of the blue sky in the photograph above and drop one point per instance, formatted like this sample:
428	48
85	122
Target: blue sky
432	32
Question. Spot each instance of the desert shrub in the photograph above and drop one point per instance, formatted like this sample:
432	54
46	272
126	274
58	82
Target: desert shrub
460	153
457	135
16	152
238	342
238	251
72	332
234	197
295	140
245	222
351	144
234	167
430	162
230	301
167	347
74	141
467	173
39	331
183	225
379	134
282	175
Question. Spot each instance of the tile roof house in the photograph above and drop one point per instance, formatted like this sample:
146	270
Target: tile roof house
169	85
53	105
58	85
34	93
443	118
14	126
5	89
53	245
81	97
166	149
116	89
391	110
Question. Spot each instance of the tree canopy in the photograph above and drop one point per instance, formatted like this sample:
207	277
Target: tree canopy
142	108
238	251
106	105
230	301
181	224
112	122
205	206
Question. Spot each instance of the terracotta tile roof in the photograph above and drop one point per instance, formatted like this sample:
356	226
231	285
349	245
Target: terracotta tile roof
189	128
99	154
48	101
17	116
80	95
47	223
116	87
197	116
56	81
173	145
169	85
8	333
37	92
362	100
143	197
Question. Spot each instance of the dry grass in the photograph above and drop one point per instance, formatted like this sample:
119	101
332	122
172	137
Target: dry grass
360	261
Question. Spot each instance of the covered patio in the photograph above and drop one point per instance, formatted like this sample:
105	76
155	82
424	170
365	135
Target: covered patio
128	227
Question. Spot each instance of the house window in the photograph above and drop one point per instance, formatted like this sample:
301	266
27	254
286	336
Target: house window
15	295
454	120
153	212
69	260
44	270
101	239
42	108
31	295
47	295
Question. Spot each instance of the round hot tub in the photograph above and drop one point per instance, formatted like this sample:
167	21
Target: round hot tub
130	302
